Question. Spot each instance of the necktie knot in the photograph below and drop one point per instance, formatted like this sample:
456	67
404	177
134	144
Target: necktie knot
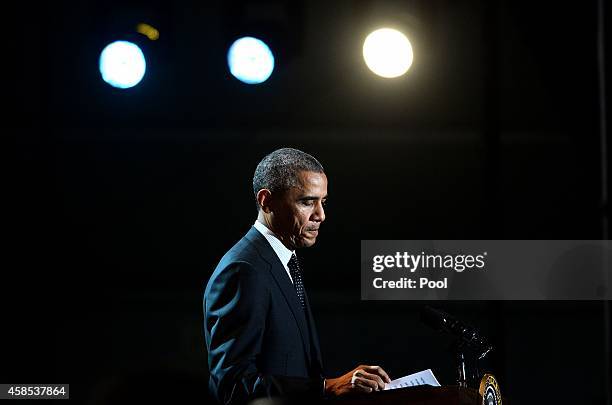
296	275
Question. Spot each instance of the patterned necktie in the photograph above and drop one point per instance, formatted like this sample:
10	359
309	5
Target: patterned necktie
296	275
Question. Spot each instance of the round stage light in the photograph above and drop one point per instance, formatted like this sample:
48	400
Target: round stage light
387	52
250	60
122	64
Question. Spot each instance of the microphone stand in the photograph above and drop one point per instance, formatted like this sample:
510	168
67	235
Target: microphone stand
468	344
461	367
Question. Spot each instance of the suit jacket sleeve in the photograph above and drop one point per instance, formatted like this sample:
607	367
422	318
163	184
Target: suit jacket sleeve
236	305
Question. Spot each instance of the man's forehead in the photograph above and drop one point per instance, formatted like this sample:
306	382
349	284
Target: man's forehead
313	177
311	180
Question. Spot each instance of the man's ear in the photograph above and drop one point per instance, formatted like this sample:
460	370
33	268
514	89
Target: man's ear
264	199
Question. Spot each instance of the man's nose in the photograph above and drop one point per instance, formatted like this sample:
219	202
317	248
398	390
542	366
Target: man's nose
319	213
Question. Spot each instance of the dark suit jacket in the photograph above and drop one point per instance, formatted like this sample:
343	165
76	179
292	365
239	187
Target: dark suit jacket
260	340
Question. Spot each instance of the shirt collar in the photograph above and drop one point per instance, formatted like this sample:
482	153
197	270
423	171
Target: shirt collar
281	250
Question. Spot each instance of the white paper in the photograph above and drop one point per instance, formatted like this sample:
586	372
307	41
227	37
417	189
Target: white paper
425	377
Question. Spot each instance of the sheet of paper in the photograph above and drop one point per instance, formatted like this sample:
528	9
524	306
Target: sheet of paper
424	377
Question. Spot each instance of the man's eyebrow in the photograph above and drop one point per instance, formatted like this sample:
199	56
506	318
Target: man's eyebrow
309	198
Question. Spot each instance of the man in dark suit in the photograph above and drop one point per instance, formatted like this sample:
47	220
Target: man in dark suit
260	332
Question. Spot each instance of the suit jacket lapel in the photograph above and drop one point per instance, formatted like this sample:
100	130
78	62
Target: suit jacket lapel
286	286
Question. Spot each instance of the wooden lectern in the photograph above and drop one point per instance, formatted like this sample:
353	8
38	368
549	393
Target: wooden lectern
421	395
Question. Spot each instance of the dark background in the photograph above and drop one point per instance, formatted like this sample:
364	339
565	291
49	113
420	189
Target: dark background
120	203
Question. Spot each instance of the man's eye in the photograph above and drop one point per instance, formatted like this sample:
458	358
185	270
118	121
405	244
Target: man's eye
308	203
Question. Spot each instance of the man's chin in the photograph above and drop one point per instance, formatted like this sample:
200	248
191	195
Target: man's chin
307	242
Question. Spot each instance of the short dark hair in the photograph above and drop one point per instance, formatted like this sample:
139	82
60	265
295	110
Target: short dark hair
279	170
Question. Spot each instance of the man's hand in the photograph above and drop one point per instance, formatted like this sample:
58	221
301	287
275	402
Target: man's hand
361	379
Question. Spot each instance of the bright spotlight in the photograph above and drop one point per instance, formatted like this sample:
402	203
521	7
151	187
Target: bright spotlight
122	64
387	52
250	60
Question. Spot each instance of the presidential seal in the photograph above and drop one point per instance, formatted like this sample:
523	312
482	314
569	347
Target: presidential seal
489	390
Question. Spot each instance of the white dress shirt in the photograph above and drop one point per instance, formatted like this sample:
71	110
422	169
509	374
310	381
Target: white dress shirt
281	250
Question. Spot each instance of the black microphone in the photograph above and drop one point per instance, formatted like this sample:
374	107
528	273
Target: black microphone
441	321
